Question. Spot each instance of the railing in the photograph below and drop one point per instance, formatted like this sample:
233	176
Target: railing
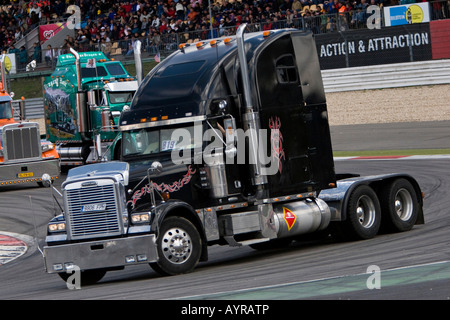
34	108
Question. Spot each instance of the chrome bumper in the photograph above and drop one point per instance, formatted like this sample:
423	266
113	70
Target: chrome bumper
101	254
25	172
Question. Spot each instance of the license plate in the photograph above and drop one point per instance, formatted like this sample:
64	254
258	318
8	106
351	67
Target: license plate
25	175
94	207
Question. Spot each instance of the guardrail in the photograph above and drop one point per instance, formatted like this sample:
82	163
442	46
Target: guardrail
34	108
387	76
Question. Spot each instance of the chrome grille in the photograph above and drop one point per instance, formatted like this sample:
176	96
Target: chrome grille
93	224
22	143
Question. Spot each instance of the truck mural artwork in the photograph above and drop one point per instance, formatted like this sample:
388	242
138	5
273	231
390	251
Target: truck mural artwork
24	156
83	100
149	209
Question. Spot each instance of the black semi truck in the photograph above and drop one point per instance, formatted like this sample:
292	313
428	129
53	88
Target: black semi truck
226	142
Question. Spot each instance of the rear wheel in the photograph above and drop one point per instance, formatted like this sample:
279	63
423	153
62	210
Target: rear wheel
179	247
363	215
399	205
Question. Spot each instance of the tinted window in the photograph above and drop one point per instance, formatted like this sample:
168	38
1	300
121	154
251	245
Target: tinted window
5	110
120	97
115	69
93	72
286	70
149	141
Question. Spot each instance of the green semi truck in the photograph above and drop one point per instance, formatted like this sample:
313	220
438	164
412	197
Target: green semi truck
83	100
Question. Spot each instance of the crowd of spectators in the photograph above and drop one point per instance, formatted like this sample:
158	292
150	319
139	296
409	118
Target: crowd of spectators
107	21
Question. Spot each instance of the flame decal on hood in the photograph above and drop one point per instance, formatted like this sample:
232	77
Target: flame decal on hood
162	187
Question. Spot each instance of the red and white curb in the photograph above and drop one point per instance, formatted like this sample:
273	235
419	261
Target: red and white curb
12	246
423	157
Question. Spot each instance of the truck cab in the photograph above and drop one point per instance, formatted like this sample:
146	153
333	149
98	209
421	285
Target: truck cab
24	156
83	100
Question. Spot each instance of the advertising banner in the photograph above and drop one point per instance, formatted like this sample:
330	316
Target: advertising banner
10	63
440	38
407	14
371	47
47	31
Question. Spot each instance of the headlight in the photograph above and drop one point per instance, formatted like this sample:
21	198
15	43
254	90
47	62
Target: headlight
140	217
57	227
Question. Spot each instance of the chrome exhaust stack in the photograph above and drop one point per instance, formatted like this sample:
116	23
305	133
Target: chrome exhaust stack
250	119
82	114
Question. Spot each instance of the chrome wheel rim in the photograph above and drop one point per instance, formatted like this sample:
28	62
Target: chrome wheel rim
176	245
365	211
403	204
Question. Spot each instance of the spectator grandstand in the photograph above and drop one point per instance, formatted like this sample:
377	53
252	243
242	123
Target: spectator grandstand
113	26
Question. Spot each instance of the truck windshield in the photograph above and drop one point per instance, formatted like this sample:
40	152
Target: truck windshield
93	72
120	97
5	110
151	141
115	69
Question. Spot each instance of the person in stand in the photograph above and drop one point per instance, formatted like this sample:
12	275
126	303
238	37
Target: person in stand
23	57
49	56
37	53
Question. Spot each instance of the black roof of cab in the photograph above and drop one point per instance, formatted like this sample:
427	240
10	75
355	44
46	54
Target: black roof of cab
182	85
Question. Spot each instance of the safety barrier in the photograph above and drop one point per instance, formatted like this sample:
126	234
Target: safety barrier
387	76
34	108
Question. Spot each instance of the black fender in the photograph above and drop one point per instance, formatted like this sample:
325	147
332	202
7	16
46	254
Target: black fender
337	198
182	209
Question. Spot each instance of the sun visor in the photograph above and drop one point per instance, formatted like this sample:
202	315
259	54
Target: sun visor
308	68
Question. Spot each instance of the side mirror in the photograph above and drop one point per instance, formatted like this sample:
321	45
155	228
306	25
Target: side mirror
155	168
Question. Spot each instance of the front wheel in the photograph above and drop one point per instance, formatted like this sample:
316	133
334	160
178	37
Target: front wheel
179	247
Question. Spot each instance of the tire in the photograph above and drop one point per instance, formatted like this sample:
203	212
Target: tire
87	277
179	247
363	215
399	206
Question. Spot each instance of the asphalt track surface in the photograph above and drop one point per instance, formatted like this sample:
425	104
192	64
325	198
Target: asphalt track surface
392	136
413	265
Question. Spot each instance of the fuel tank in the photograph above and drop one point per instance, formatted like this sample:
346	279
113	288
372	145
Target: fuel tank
301	217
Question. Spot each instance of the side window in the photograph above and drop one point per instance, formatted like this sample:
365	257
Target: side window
286	69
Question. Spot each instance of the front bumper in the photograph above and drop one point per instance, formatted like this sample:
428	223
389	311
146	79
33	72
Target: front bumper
101	254
28	171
